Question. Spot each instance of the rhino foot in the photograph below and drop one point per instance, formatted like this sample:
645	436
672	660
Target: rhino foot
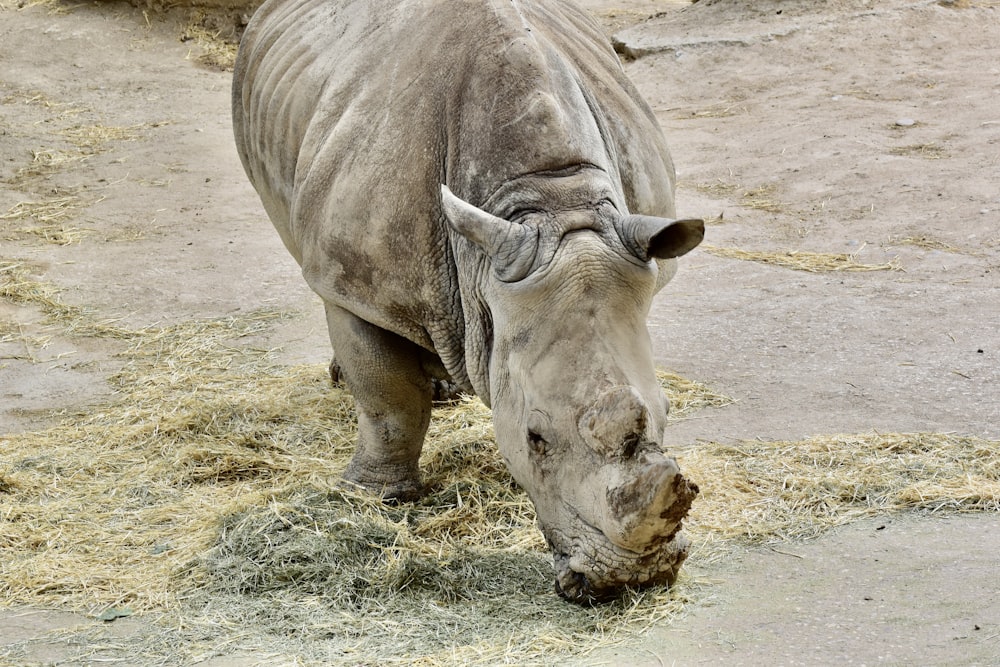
446	391
404	489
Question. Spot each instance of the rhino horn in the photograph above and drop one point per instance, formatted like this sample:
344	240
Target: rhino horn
615	423
649	237
510	246
648	509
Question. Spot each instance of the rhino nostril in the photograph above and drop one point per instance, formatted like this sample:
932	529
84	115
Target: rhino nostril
629	446
536	443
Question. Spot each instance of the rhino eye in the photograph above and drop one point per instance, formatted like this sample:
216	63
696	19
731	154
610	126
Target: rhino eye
536	443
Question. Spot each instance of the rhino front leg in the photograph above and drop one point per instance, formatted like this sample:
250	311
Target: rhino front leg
443	390
393	395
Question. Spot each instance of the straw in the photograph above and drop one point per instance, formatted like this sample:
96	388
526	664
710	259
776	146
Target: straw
204	496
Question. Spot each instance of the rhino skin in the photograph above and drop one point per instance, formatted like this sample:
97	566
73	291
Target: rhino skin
480	196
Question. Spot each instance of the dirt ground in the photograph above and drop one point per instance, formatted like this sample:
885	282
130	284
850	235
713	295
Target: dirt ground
849	127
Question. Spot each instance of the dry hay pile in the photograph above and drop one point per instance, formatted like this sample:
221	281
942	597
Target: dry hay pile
205	497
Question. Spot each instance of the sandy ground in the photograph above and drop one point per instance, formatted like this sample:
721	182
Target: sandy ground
842	127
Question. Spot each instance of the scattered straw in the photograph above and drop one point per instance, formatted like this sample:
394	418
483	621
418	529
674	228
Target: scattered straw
52	212
48	211
13	332
93	138
688	396
206	493
46	162
927	243
720	110
760	198
929	151
772	491
800	260
217	52
36	98
17	286
50	217
718	188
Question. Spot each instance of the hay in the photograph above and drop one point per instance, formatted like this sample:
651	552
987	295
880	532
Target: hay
55	209
927	243
11	332
52	213
47	162
759	198
205	495
756	491
50	217
930	151
38	98
718	188
800	260
122	505
217	51
18	287
688	396
720	110
93	139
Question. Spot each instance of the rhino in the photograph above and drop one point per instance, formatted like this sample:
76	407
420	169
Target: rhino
481	197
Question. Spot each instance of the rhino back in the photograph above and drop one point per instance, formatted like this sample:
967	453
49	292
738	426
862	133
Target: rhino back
349	115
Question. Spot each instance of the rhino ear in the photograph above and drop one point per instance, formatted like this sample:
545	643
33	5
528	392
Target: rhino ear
660	238
510	246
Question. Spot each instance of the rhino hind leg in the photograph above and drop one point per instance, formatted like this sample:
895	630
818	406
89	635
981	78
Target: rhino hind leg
393	394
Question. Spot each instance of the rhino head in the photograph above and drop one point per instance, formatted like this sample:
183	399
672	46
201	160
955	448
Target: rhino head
579	415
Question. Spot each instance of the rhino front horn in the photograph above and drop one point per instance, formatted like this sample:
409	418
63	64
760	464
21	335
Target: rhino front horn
648	508
615	423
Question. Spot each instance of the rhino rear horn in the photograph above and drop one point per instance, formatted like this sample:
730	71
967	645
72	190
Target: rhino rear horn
648	237
615	423
510	246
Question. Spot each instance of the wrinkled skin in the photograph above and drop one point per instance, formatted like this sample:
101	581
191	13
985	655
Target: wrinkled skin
481	198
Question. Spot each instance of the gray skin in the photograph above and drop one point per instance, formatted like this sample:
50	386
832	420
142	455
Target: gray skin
481	197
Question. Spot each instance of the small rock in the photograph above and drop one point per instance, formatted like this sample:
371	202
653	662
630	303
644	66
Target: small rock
905	122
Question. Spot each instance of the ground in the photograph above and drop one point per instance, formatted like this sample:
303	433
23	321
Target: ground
864	131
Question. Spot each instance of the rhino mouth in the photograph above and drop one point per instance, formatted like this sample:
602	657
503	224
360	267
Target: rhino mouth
590	569
632	541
